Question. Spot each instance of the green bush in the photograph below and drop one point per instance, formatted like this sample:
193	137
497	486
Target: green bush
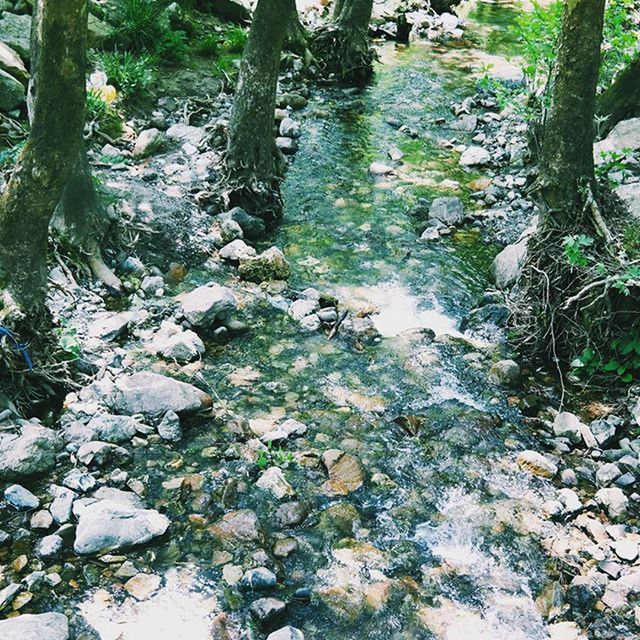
208	46
235	40
129	73
145	25
107	117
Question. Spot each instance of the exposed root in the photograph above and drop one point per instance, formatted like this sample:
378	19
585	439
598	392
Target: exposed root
343	54
101	270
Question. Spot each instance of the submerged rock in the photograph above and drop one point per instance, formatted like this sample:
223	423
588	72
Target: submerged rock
31	451
43	626
109	526
153	394
345	473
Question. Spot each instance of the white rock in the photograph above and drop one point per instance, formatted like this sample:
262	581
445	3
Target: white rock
536	464
380	169
273	480
613	501
235	250
147	142
302	308
204	304
173	342
286	633
43	626
474	157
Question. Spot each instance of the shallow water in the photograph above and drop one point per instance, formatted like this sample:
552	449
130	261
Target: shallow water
442	546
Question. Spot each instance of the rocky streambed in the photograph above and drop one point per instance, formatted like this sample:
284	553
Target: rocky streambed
323	436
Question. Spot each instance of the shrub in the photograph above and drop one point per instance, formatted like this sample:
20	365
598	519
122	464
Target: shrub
128	72
235	40
105	115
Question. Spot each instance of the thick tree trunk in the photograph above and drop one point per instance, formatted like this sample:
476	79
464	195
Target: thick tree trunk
297	39
82	217
622	99
337	8
343	48
253	179
44	166
567	147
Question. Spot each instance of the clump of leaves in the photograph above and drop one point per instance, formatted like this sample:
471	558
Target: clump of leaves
235	40
574	250
106	116
145	26
274	456
130	73
208	46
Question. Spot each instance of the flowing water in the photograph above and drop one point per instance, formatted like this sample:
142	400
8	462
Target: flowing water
440	541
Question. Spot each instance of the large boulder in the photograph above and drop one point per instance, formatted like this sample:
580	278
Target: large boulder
43	626
234	10
110	525
624	137
12	92
630	195
29	452
507	265
153	394
11	63
203	305
15	31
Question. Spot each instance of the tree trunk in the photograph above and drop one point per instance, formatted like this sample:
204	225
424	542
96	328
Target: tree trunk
81	216
622	99
567	147
337	8
297	39
343	48
253	181
44	166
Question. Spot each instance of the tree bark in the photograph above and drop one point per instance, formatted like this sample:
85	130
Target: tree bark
622	99
343	48
252	176
567	147
297	39
43	167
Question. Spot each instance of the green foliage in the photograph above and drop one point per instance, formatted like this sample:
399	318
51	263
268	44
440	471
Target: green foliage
235	40
574	250
145	26
615	167
622	361
208	46
129	73
9	156
274	456
620	38
106	116
69	343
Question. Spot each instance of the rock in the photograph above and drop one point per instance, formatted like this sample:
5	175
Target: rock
41	520
285	547
449	211
202	306
626	549
536	464
569	500
291	514
153	394
172	342
169	428
252	227
288	146
380	169
12	92
613	501
310	323
567	425
507	265
79	481
234	10
300	309
236	250
186	133
259	579
580	594
20	498
113	428
345	473
238	526
62	503
109	326
293	100
30	452
505	373
15	32
11	63
604	431
43	626
50	547
96	454
465	122
148	142
143	585
286	633
269	265
474	157
273	480
568	478
151	284
565	631
268	612
98	32
289	128
107	526
630	195
624	137
607	474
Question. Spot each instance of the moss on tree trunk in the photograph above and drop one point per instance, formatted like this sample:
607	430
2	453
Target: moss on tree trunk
622	99
44	166
252	159
342	48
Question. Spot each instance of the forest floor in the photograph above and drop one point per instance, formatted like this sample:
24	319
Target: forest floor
325	430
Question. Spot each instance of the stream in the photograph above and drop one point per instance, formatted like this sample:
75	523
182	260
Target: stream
441	540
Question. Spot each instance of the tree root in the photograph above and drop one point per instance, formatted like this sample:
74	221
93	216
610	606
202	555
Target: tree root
101	270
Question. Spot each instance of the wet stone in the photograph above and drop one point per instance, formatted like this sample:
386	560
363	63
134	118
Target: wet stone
41	520
238	526
291	514
536	464
143	585
259	579
50	547
169	427
273	480
20	498
268	612
286	633
285	547
505	373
